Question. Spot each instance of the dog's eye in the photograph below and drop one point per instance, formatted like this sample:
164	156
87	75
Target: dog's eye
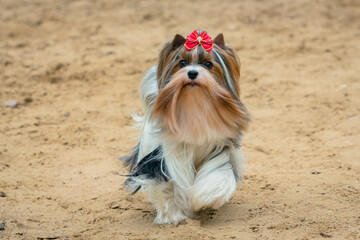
182	63
208	65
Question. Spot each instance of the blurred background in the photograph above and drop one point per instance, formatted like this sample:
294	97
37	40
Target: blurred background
69	75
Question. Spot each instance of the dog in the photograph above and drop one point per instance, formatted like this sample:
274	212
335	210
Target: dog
189	153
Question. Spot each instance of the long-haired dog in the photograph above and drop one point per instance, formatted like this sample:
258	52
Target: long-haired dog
189	153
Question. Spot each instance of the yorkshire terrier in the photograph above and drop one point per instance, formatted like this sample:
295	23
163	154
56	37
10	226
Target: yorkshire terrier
189	153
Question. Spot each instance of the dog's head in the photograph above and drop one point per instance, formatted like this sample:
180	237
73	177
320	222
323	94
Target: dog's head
199	94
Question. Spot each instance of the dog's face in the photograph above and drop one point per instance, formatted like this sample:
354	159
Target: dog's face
199	92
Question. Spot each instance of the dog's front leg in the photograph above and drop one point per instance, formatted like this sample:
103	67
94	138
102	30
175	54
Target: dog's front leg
214	183
164	198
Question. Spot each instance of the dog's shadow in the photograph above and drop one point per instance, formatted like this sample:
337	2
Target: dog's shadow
221	217
206	215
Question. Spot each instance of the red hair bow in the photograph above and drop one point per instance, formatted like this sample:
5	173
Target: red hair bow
194	39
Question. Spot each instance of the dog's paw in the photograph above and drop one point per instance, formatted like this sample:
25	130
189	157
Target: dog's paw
174	219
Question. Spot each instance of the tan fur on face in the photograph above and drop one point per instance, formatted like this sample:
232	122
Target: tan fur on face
199	113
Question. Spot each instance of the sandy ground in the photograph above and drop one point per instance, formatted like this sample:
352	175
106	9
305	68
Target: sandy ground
74	68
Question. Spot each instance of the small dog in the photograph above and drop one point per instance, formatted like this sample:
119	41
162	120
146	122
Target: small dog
189	153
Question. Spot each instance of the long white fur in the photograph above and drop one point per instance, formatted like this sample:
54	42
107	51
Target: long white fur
214	183
199	176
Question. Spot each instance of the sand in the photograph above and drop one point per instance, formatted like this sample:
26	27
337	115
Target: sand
73	68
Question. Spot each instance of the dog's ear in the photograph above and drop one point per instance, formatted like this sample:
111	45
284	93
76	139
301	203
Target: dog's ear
178	41
219	40
166	53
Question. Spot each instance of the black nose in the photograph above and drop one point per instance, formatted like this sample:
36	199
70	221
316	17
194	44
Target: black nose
192	74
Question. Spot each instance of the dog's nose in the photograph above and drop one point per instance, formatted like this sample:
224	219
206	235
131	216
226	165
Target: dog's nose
193	74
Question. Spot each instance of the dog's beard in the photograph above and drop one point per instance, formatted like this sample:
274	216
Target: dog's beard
200	111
